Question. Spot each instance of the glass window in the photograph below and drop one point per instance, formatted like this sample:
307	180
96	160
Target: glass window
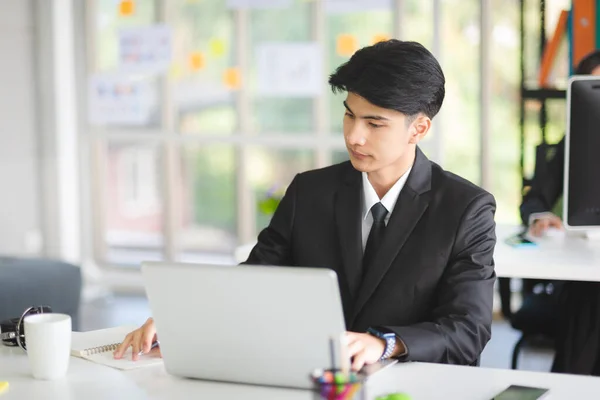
206	106
460	33
557	120
128	93
285	115
133	203
208	199
506	182
203	50
532	41
533	135
418	20
108	23
269	172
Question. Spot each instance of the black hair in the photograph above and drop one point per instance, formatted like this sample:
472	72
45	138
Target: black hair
588	63
394	74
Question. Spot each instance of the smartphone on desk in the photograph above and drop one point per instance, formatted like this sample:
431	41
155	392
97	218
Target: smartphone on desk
516	392
519	240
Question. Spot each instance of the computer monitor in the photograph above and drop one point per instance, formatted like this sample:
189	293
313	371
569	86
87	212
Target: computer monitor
582	156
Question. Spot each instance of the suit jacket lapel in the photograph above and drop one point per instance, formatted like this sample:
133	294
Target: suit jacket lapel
348	223
410	206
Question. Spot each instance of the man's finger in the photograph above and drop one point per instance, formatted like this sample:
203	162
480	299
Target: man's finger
147	339
352	337
556	223
541	226
358	361
536	228
135	350
355	347
123	346
136	345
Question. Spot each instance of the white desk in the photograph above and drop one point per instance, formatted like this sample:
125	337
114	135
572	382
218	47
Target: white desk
561	257
89	381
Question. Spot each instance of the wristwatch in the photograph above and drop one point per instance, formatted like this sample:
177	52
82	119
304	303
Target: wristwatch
390	341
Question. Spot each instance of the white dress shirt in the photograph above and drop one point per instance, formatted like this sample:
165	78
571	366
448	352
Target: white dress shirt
370	198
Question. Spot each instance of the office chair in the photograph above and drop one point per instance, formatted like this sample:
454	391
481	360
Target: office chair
536	318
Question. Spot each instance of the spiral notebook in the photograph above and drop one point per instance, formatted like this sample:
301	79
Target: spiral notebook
98	346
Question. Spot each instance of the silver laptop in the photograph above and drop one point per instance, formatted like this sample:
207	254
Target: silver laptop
248	324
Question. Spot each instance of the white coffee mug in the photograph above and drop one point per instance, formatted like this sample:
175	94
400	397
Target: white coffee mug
48	340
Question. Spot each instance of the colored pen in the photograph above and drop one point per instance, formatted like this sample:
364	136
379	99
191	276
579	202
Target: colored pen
154	344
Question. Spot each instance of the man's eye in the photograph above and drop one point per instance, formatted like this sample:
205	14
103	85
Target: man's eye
372	125
349	115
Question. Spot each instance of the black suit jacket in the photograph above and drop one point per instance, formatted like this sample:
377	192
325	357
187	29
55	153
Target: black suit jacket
547	188
432	279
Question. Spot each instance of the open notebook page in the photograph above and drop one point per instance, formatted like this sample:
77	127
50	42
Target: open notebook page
125	363
98	346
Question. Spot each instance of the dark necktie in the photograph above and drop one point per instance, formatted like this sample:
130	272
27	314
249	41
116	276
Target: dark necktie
378	212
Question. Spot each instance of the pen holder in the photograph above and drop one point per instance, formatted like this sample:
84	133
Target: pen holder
335	385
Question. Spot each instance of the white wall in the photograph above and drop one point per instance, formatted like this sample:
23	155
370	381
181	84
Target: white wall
19	177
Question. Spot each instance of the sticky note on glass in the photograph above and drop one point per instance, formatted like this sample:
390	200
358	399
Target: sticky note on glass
217	47
380	37
196	61
346	45
175	71
126	8
232	78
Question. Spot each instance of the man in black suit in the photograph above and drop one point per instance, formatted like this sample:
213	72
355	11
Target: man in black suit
412	244
578	331
546	190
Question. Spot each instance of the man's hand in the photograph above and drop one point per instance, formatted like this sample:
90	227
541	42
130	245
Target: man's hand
140	340
364	348
542	224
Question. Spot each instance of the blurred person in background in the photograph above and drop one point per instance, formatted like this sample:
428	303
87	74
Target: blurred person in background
578	303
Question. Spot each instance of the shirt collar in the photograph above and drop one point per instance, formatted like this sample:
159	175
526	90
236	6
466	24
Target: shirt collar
370	197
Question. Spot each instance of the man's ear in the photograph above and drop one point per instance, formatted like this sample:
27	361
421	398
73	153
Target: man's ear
419	128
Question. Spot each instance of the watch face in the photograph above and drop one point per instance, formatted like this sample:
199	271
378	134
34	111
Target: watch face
375	332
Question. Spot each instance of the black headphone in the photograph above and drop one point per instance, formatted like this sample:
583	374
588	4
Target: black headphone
12	332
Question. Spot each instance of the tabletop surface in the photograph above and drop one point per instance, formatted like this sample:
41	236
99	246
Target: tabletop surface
87	380
558	255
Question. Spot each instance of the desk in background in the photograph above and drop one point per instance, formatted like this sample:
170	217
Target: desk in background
89	381
559	257
556	257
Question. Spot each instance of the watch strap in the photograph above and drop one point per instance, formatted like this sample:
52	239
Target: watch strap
390	341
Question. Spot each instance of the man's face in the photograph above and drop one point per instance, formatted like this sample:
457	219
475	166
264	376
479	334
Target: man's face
377	138
596	71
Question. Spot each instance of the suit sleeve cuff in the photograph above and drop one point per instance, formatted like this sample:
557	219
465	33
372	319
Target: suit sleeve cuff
538	215
404	352
399	340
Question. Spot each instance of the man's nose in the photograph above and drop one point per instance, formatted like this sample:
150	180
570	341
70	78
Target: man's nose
356	136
